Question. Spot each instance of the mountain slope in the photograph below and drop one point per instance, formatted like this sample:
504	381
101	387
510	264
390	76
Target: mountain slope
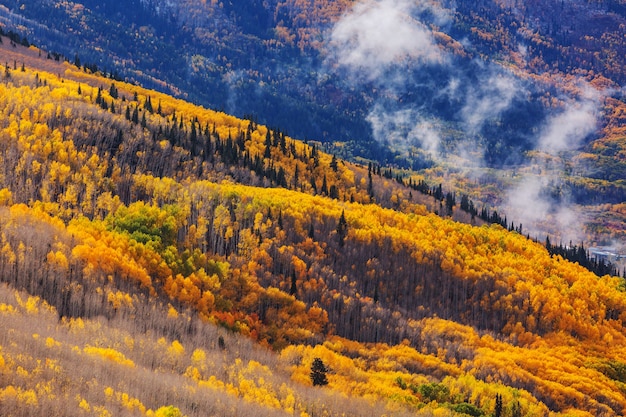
249	58
505	101
125	208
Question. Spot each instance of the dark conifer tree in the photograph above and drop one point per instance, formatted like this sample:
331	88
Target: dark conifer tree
268	145
113	91
283	144
498	407
99	96
342	229
313	185
333	164
318	372
296	174
324	186
333	192
294	289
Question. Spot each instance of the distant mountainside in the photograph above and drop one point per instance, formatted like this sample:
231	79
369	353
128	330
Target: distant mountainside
524	98
278	60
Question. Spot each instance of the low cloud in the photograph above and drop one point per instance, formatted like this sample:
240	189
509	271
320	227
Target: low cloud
386	43
405	128
389	45
567	129
376	35
530	203
488	98
532	200
527	203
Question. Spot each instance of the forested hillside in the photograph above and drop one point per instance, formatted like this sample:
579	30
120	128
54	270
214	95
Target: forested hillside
504	101
200	264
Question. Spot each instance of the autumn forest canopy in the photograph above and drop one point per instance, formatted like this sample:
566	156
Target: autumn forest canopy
158	258
505	101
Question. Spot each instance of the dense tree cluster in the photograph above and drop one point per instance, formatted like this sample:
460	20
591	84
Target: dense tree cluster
269	237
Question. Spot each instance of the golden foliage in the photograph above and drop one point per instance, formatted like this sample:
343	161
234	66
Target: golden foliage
105	221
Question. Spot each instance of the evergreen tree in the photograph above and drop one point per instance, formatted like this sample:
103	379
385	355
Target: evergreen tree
283	143
313	185
333	192
438	193
268	145
193	136
99	96
498	407
450	201
113	91
324	186
294	289
318	372
296	174
148	105
333	164
281	178
342	229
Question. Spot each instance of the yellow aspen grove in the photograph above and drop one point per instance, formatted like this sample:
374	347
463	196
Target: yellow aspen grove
163	259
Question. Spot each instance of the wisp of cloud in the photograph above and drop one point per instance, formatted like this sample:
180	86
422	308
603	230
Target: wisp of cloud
378	34
405	128
567	129
529	202
488	98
